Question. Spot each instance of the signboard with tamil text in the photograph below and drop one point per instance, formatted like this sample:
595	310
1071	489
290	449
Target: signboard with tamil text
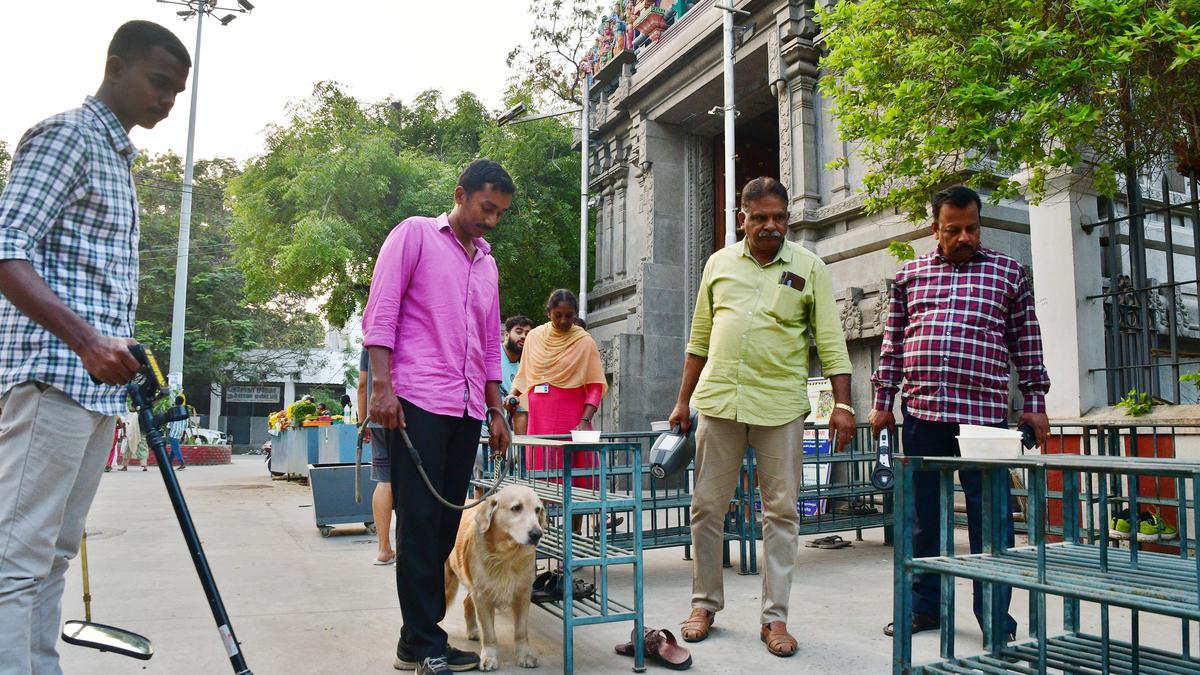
250	393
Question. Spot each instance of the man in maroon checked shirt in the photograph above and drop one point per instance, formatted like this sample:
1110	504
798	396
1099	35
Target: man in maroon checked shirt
957	316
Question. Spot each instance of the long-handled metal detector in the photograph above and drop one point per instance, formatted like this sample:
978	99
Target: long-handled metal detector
147	387
98	635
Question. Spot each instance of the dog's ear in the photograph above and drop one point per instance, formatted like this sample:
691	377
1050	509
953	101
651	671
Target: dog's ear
485	514
543	521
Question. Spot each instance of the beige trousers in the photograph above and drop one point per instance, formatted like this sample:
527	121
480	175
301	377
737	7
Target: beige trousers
52	454
720	448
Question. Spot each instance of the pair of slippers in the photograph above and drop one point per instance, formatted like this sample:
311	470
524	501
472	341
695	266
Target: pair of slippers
833	541
548	587
661	647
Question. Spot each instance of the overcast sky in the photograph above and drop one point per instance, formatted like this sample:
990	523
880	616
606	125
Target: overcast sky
53	55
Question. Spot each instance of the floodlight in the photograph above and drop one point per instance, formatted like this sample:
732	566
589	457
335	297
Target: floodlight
227	19
511	114
245	5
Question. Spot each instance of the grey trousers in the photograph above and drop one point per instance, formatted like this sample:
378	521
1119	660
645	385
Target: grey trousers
720	448
52	454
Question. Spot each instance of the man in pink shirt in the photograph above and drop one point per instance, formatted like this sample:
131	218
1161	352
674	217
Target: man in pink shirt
429	328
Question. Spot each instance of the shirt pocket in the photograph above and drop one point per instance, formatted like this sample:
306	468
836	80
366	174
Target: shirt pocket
787	304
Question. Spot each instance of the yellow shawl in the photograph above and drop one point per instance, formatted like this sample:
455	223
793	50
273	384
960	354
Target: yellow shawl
566	360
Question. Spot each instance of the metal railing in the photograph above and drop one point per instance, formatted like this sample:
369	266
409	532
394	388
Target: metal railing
1077	567
1149	262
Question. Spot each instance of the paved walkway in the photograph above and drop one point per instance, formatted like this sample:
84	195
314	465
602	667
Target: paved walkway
301	603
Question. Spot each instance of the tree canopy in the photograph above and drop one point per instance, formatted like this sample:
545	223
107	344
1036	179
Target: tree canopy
221	325
548	66
312	212
930	91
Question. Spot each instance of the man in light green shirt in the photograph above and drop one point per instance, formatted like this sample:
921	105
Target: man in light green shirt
746	373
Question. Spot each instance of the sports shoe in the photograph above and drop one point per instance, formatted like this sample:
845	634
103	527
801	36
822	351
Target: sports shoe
1166	531
434	665
1120	527
456	659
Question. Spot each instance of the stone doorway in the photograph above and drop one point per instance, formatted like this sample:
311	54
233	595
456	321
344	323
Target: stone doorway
757	148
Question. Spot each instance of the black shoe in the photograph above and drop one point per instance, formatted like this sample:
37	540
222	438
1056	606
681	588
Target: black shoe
920	624
434	665
456	659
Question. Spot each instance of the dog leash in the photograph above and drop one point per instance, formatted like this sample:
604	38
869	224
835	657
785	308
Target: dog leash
506	463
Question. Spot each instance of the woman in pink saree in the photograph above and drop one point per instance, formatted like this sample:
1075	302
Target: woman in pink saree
563	381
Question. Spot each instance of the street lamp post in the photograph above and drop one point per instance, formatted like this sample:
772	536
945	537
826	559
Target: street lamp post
730	112
198	9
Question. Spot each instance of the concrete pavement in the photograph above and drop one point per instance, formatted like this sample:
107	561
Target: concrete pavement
301	603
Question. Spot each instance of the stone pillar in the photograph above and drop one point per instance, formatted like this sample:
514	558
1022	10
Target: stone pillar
214	407
617	238
289	390
1066	270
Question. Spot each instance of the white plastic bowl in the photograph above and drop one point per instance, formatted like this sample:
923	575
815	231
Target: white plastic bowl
988	442
585	436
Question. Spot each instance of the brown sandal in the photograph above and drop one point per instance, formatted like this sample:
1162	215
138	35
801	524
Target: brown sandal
779	642
695	628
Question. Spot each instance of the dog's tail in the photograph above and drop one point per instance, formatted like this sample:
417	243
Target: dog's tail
451	584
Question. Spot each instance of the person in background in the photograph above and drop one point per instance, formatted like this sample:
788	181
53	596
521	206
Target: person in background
347	411
512	344
135	443
516	328
381	467
175	433
69	277
115	454
562	378
322	410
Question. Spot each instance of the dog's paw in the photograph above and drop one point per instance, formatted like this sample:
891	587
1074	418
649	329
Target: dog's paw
488	659
526	658
473	635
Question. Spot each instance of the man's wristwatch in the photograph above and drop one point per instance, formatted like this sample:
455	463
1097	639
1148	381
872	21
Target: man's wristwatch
512	400
844	406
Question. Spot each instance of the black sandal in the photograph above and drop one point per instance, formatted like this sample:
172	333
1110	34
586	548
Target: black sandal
548	587
542	587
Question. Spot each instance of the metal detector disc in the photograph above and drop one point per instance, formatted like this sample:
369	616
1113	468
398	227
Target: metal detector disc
107	639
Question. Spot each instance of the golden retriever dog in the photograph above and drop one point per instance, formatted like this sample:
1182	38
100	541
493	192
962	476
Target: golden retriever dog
493	558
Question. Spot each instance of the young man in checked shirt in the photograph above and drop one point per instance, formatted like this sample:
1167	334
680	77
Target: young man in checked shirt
957	316
69	275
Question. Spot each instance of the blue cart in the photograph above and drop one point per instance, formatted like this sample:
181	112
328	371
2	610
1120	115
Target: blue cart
333	496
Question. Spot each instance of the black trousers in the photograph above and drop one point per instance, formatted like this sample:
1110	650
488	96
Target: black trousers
425	530
937	439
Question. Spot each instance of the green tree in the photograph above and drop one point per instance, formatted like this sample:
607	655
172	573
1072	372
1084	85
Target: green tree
5	162
537	245
931	91
313	211
221	326
547	67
